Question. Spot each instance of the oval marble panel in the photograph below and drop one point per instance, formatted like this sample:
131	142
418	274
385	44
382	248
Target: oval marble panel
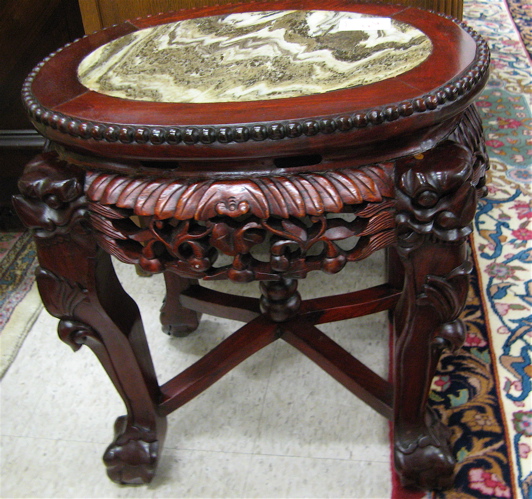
254	56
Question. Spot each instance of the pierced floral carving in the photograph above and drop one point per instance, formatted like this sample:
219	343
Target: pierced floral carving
290	246
187	225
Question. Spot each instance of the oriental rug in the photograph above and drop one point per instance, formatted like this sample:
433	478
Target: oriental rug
521	12
19	301
484	393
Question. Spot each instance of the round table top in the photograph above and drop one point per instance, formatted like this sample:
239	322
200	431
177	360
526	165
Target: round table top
253	56
257	80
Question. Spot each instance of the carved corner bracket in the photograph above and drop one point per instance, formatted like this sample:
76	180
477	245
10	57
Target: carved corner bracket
437	192
52	202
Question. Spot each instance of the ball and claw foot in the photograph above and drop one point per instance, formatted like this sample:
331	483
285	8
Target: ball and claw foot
425	461
132	458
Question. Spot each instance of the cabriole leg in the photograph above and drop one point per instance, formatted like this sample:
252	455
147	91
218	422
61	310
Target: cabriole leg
78	285
436	199
426	322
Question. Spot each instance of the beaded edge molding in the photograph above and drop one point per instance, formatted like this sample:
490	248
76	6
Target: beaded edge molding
209	134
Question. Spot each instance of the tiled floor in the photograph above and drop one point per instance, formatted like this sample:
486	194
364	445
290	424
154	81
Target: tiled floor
276	426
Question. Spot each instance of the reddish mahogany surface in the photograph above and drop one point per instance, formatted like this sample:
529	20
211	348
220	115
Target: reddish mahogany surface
404	158
67	112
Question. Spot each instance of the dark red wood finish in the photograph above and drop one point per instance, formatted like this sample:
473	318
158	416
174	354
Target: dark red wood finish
168	187
66	112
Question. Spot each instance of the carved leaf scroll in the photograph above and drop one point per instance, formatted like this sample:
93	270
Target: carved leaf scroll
60	295
284	196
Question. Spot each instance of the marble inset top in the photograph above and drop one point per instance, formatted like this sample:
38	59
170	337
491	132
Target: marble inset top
254	56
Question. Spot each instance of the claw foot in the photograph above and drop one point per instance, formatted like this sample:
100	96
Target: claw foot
423	458
132	458
178	321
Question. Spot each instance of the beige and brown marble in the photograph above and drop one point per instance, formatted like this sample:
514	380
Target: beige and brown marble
254	56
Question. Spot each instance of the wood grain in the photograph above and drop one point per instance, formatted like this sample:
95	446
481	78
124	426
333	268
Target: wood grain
99	14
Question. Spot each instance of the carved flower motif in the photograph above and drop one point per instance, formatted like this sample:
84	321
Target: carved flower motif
232	207
232	238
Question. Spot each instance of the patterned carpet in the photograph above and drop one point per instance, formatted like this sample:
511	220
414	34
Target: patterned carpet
16	255
503	249
521	11
17	266
484	394
465	394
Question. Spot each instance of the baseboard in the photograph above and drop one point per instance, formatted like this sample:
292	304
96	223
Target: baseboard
21	139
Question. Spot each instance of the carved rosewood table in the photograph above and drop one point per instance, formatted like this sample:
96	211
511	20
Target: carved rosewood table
179	137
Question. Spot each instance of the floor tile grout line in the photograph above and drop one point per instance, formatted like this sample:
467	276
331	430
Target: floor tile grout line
270	454
259	423
212	451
